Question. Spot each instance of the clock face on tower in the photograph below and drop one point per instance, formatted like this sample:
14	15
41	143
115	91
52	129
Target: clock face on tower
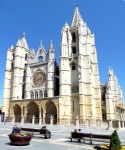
74	89
38	79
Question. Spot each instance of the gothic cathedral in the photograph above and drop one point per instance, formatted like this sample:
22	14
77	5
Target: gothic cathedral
35	86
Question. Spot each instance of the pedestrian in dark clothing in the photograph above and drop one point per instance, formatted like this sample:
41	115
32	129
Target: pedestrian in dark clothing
15	129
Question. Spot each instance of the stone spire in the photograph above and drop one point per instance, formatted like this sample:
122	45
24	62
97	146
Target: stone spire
76	18
51	48
23	41
19	43
40	43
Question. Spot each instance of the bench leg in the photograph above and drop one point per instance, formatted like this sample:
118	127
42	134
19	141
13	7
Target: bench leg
84	141
79	140
91	142
45	136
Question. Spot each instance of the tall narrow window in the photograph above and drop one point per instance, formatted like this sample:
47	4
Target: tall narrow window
36	94
73	105
32	95
45	94
73	66
25	56
73	37
13	56
25	66
74	50
11	65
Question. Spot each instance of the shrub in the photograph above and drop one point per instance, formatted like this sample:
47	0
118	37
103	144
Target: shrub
115	141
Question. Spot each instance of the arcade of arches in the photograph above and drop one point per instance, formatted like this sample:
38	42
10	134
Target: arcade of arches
41	111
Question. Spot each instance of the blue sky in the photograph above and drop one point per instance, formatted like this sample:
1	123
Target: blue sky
44	19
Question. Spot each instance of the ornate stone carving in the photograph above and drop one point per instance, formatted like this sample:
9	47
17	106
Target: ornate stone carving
38	79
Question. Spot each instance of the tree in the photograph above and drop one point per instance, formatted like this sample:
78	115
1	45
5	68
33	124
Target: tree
115	142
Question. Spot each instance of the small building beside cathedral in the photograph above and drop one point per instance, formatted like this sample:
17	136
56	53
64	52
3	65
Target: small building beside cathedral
36	87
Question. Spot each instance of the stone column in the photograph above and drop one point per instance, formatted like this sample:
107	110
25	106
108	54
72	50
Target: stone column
119	124
43	94
22	119
64	121
123	124
13	116
33	119
98	123
87	123
77	121
25	113
13	119
33	94
22	115
58	119
51	120
40	118
44	112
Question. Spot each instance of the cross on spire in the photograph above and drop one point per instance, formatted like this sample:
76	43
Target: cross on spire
76	3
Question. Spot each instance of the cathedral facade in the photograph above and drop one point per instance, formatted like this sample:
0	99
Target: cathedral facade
35	86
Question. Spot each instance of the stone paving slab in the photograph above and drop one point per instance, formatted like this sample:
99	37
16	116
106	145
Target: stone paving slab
57	141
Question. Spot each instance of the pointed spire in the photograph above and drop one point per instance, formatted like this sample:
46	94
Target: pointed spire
23	35
66	25
32	51
76	3
76	18
51	48
41	43
11	47
51	45
23	41
18	43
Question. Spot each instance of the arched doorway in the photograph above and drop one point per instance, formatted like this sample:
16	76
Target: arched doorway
51	110
32	109
17	113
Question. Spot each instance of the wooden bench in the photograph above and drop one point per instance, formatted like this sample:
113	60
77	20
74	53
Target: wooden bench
100	138
43	131
89	137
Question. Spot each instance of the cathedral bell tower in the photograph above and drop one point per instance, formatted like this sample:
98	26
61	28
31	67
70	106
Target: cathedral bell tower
51	71
79	76
14	82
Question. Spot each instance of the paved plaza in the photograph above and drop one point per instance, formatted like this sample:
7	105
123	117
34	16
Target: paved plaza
57	141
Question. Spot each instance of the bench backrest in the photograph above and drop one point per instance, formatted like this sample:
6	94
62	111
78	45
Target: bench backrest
36	130
101	136
79	135
27	129
90	135
41	131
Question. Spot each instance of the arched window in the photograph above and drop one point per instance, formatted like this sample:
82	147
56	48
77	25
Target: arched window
45	94
73	37
40	58
36	95
40	51
73	66
32	95
41	94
